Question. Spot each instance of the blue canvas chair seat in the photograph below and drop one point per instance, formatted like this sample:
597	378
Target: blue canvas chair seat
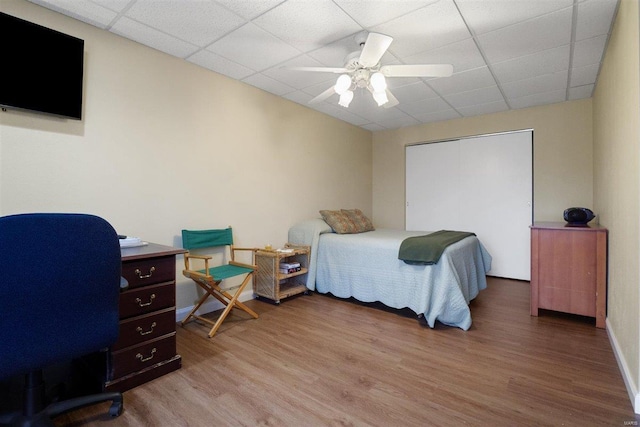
210	278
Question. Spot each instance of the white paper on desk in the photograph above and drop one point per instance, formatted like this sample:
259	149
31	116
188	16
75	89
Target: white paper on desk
131	242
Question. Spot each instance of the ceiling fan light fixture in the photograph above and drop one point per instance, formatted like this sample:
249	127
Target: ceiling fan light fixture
380	97
345	98
342	84
378	82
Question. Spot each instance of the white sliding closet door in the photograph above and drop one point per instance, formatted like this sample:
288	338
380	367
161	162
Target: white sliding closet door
481	184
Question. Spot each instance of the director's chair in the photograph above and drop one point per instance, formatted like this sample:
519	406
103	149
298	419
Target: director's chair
210	278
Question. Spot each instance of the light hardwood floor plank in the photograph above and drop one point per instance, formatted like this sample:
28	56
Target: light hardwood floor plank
321	361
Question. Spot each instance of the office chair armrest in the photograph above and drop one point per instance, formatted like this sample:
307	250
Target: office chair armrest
241	264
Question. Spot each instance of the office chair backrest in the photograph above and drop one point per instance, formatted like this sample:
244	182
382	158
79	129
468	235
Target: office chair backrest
195	239
59	289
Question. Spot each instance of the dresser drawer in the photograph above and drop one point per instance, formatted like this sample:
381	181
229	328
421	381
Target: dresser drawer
138	329
145	300
133	359
143	272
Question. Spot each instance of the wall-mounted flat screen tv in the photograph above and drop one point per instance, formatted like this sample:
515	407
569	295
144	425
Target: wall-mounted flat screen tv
40	69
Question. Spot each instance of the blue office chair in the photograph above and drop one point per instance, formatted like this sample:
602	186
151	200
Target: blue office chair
59	292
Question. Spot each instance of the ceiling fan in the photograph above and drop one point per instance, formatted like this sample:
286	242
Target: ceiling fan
363	70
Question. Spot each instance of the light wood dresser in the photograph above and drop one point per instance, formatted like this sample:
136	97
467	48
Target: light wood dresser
569	269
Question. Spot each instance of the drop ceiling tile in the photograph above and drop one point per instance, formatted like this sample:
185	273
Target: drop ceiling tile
538	99
115	5
300	79
299	97
308	25
489	108
364	105
539	84
584	75
90	13
197	22
270	85
589	51
220	65
594	18
474	97
536	64
581	92
249	9
431	27
399	122
463	55
488	15
424	106
373	12
342	113
153	38
373	127
334	54
463	82
438	116
525	38
413	92
253	47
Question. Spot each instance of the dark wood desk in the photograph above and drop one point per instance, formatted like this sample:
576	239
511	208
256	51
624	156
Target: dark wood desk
146	347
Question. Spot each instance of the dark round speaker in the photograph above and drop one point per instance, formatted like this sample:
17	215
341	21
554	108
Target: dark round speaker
578	216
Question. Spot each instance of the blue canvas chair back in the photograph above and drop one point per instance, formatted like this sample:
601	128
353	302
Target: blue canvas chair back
196	239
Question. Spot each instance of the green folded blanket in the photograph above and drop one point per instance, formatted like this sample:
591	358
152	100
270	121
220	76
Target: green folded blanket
424	250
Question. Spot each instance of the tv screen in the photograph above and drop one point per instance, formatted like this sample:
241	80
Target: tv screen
41	69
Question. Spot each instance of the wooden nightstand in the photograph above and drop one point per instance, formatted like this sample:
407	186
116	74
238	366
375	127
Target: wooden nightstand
270	283
569	269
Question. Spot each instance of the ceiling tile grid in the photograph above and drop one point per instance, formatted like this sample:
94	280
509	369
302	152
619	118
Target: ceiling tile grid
506	54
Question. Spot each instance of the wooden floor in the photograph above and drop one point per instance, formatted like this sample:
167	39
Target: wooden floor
320	361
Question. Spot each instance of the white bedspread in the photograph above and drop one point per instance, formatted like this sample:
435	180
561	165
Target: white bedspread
366	266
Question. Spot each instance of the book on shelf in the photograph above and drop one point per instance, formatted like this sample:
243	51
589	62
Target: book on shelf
290	270
289	264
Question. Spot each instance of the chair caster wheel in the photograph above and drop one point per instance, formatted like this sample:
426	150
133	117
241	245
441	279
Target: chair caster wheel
116	409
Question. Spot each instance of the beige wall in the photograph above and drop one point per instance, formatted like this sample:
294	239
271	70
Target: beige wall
563	157
616	109
165	145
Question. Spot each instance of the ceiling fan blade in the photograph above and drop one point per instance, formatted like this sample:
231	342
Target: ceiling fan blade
324	95
393	101
417	70
320	69
375	46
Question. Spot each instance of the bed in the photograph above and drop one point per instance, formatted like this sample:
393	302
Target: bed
365	266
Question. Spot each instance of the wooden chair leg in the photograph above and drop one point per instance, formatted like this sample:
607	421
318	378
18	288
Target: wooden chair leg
208	291
233	302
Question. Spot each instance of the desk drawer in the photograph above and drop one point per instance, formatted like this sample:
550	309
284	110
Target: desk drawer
143	272
148	326
134	359
145	300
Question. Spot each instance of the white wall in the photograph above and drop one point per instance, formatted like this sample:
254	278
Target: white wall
616	109
165	145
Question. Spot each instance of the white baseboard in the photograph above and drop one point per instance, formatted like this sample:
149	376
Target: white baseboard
211	305
629	381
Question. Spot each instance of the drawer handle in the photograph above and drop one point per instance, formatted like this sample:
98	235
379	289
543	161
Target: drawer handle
145	359
150	331
144	276
141	304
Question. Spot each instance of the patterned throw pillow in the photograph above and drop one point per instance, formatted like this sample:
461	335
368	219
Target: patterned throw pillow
339	221
360	220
